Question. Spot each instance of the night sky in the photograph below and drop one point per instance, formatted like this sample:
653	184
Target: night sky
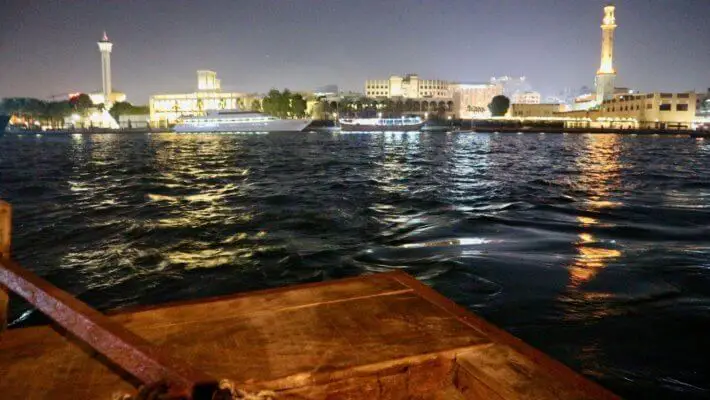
49	47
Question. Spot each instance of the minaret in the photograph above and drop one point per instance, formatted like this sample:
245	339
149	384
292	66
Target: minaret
105	48
606	75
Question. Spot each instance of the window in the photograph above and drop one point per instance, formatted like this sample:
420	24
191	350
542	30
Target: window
683	95
649	106
666	95
649	96
681	107
665	107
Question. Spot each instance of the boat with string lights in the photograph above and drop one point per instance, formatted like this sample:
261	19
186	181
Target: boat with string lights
400	124
239	121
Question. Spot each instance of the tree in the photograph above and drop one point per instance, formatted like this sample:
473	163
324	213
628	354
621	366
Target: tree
284	104
126	108
81	103
255	105
499	106
56	111
298	105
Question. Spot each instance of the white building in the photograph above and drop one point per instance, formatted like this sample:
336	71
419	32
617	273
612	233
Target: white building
528	97
409	86
167	108
471	99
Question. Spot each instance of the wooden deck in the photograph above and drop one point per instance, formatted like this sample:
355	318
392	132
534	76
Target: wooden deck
381	336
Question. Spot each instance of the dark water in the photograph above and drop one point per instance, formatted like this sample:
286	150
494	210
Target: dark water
594	248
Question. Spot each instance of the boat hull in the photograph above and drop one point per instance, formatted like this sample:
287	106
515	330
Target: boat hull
284	125
380	128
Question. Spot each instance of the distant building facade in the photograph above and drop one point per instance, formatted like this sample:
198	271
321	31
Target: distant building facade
641	110
471	99
653	110
409	86
528	97
167	108
535	110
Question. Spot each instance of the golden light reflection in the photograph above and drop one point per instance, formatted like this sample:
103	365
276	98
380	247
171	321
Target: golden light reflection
200	171
599	176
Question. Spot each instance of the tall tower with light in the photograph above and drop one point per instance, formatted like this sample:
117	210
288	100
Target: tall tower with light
105	48
606	75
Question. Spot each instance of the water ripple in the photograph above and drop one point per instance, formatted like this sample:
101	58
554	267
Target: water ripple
592	247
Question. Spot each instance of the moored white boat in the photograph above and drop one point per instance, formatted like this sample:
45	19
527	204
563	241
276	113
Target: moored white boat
239	121
413	123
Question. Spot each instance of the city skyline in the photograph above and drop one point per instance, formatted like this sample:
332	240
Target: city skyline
303	45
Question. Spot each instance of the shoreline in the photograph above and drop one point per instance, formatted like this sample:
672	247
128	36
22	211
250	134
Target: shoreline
433	130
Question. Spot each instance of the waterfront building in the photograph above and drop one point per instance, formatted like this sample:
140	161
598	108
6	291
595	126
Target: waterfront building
642	111
471	99
606	74
527	97
409	86
533	110
653	110
167	108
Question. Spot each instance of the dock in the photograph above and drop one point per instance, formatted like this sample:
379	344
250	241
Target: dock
382	336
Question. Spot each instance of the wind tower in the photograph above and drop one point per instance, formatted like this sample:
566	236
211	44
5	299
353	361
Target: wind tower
606	75
105	48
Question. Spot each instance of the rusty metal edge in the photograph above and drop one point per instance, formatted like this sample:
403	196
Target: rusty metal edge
127	350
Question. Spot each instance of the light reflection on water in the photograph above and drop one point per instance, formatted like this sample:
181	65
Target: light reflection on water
592	247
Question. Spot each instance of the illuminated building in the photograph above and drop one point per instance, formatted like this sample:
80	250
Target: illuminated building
471	99
207	80
641	110
167	108
540	110
527	97
606	75
409	86
653	110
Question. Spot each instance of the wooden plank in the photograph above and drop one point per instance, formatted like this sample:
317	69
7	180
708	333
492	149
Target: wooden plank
294	345
551	366
122	347
5	229
499	372
270	300
323	338
383	337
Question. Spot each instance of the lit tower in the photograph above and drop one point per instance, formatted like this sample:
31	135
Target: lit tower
606	75
105	48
